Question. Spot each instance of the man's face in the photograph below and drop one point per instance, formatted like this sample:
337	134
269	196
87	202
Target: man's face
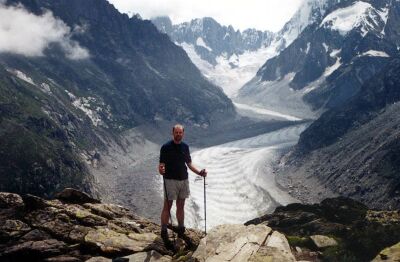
178	134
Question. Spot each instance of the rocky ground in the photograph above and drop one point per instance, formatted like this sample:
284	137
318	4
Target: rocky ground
337	229
76	227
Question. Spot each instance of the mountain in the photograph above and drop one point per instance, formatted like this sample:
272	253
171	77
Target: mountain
75	77
333	56
354	150
226	56
342	70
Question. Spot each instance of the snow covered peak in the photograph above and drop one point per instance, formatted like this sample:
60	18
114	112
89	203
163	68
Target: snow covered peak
359	15
310	12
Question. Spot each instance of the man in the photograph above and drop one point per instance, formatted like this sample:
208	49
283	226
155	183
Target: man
174	157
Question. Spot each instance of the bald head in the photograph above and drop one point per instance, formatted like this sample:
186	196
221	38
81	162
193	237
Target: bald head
177	133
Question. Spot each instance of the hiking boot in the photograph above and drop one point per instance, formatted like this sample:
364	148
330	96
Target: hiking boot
181	232
164	235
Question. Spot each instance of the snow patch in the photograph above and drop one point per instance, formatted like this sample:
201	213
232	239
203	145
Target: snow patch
200	42
375	53
335	52
360	13
21	75
308	47
231	73
86	104
45	88
326	47
331	69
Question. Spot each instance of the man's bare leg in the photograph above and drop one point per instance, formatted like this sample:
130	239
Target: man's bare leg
166	211
180	215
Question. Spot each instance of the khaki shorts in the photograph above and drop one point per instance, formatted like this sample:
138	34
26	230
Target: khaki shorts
176	189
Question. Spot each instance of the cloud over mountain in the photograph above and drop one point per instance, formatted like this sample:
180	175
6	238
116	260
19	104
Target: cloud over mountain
25	33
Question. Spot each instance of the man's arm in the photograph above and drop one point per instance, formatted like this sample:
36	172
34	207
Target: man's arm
202	172
161	166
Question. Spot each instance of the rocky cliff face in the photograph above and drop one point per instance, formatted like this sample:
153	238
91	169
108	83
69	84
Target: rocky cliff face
211	40
76	227
354	150
98	74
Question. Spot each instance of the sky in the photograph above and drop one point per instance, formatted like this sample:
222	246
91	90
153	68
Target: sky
260	14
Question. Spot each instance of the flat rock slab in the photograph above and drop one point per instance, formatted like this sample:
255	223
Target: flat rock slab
111	242
323	241
231	243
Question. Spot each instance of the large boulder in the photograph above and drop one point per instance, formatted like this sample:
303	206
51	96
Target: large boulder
243	243
75	196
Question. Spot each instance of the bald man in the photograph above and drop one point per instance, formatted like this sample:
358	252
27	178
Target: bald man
174	160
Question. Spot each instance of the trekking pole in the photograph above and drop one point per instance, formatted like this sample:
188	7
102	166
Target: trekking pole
169	210
205	207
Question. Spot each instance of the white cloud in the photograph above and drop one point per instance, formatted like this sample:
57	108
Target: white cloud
27	34
260	14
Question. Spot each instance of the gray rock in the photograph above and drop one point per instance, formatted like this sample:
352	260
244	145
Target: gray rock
150	256
231	243
13	228
111	242
62	259
99	259
10	200
276	248
323	241
74	196
42	248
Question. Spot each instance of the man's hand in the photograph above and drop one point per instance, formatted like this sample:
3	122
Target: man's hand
203	173
161	169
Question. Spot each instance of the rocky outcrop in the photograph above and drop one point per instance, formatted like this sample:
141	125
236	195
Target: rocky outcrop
83	229
76	228
337	229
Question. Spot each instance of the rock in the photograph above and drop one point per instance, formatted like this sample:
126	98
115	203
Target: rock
33	202
75	196
99	259
389	254
273	254
343	210
231	243
11	205
150	256
36	249
35	235
323	241
62	259
10	200
13	228
276	248
84	216
111	242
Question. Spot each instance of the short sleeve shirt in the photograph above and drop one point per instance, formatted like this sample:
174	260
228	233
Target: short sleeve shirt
175	157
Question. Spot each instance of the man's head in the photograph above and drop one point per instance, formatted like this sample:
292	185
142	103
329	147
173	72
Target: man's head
177	133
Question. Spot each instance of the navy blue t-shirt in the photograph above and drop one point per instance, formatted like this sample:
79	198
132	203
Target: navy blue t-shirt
175	157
